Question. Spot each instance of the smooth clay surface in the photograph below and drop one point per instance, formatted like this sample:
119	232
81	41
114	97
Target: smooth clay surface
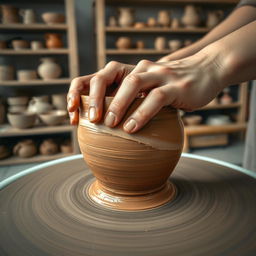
49	213
131	170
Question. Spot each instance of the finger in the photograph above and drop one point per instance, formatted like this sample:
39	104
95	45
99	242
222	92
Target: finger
128	91
74	117
156	99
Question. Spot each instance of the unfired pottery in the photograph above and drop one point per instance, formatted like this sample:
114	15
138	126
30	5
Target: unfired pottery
36	45
131	170
59	101
175	23
17	108
21	120
112	22
140	44
164	18
191	18
174	45
26	75
10	14
53	18
6	72
49	69
53	40
151	22
49	147
218	120
214	18
53	117
25	149
20	44
39	105
28	16
124	42
139	25
160	43
126	17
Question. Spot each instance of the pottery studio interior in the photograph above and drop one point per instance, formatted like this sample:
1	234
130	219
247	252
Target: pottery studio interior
127	127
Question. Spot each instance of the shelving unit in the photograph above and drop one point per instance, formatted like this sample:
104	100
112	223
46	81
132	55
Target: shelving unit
70	51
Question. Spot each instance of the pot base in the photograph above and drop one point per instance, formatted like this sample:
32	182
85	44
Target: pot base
131	202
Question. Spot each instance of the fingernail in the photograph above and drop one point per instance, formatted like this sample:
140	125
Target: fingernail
130	125
110	119
92	114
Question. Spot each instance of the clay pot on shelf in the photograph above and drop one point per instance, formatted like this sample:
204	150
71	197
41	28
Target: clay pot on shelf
192	120
53	40
53	18
134	172
175	23
218	120
112	22
59	101
4	151
164	18
26	75
126	17
191	18
49	69
124	43
13	101
140	44
39	106
139	25
6	72
25	149
226	99
214	18
48	147
53	117
28	16
66	147
174	45
160	43
10	14
20	44
151	22
21	120
17	108
36	45
3	44
2	112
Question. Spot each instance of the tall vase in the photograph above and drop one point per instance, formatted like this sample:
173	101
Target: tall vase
126	17
191	18
49	69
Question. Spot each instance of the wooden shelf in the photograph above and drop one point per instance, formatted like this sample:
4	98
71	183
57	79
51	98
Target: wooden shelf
156	30
147	2
36	82
222	106
34	52
33	27
37	158
7	131
137	51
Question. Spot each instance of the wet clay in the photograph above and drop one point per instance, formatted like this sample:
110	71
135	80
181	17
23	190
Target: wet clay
49	213
132	170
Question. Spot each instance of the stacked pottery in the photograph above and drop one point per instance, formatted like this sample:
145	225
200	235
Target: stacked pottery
124	42
17	104
28	16
6	72
25	149
10	14
53	40
126	17
49	69
160	43
191	18
48	147
214	18
164	18
39	105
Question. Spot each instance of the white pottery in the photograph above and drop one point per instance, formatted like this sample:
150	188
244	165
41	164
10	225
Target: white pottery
160	43
164	18
49	69
126	17
36	45
39	106
191	18
174	45
28	16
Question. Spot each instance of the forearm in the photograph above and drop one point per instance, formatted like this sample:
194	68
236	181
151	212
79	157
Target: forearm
234	21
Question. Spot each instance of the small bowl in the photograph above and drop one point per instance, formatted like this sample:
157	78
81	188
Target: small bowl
53	117
192	120
53	17
218	120
14	101
20	44
21	120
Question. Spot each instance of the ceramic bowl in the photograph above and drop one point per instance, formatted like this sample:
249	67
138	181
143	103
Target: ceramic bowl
20	44
218	120
192	119
17	108
53	17
26	75
21	120
53	117
132	171
13	101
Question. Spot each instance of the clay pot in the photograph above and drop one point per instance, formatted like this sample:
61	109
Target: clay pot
25	148
28	16
13	101
140	44
21	120
53	40
20	44
192	120
2	112
53	17
6	72
10	14
59	101
160	43
151	22
53	117
226	98
164	18
36	45
66	147
139	25
175	23
124	43
214	18
4	151
218	120
126	17
49	69
39	106
26	75
112	22
132	171
174	45
3	44
48	147
191	18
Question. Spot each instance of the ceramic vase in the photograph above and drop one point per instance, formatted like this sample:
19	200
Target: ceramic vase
214	18
10	14
226	99
126	17
164	18
25	149
112	21
191	17
132	171
28	16
160	43
36	45
53	40
124	43
140	44
49	69
175	23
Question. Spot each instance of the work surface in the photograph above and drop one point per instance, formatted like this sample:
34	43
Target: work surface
48	212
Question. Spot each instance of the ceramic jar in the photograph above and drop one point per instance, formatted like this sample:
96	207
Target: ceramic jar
10	14
36	45
191	17
214	18
39	105
175	23
132	171
49	69
25	148
164	18
6	72
20	44
140	44
126	17
151	22
2	112
59	101
124	43
28	16
53	40
174	45
160	43
26	75
48	147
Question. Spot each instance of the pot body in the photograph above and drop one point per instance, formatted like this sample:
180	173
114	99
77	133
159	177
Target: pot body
39	106
49	147
10	14
124	42
49	69
25	148
126	17
53	40
191	17
28	16
160	43
164	18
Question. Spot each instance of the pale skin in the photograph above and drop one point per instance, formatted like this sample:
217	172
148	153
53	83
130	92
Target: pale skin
187	79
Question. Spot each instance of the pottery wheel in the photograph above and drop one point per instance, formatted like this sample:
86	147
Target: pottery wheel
48	212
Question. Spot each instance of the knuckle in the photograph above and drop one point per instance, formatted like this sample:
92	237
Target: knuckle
97	78
144	63
143	115
112	64
165	70
159	96
133	80
116	106
77	80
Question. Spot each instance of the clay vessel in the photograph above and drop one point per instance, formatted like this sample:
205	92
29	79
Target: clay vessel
3	44
25	148
160	43
151	22
191	18
28	16
59	101
112	21
174	45
26	75
164	18
53	117
10	14
2	112
131	171
126	17
39	106
48	147
20	44
21	120
13	101
140	44
53	18
36	45
53	40
139	25
6	72
175	23
66	147
49	69
124	42
214	18
17	108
